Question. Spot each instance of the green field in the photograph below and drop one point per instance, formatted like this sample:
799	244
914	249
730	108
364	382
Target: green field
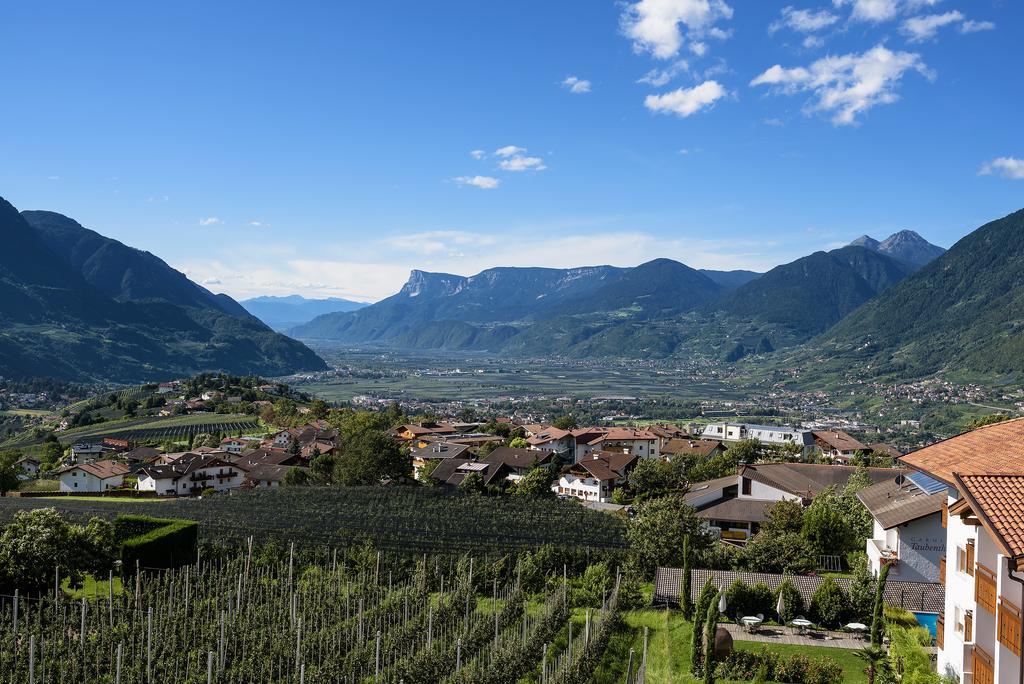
668	654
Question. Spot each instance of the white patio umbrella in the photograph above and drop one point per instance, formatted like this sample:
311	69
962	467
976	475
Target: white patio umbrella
721	603
780	606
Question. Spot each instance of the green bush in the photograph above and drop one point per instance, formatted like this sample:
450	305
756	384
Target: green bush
829	605
155	542
742	599
770	666
792	602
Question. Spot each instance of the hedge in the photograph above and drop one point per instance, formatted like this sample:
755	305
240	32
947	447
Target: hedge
155	542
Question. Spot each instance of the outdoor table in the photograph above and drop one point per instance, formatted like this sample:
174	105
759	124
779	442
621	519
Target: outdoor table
750	622
801	624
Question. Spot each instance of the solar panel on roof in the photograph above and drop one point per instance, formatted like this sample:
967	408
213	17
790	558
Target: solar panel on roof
926	483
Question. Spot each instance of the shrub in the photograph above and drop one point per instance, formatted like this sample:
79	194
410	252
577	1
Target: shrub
767	665
829	605
792	601
785	552
155	542
742	599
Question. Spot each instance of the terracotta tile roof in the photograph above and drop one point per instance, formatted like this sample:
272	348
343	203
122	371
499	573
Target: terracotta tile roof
551	434
839	440
997	448
916	596
886	449
998	501
101	469
605	465
617	434
897	501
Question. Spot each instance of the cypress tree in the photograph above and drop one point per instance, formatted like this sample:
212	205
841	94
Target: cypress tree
697	638
686	603
878	614
710	626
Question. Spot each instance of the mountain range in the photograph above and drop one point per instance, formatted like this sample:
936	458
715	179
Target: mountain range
906	246
658	308
282	313
79	306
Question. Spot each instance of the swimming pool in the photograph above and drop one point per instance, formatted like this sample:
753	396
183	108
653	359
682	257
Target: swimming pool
929	620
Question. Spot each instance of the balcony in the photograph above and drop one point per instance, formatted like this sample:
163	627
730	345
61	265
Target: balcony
200	477
880	553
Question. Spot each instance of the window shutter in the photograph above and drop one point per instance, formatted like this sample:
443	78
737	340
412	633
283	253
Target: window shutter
968	627
970	558
942	571
940	631
945	513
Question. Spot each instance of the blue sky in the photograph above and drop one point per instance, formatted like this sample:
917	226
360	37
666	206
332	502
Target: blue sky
326	148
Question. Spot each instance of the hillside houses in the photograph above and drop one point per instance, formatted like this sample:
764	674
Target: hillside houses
191	474
596	476
92	477
766	434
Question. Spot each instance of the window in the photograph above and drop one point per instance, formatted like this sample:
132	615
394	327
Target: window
1009	626
746	486
982	667
985	589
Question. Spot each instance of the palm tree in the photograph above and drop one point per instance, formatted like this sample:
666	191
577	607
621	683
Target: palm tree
875	657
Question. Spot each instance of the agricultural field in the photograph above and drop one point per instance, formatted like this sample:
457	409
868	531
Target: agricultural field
346	618
172	427
440	377
411	519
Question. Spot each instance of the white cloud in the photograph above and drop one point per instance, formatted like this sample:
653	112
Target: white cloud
509	150
210	221
482	182
477	154
922	28
971	26
871	10
440	242
803	20
1007	167
686	101
655	25
776	122
846	85
53	177
882	10
521	163
660	77
813	42
576	85
259	224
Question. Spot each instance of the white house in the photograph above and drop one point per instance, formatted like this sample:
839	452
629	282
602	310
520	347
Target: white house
639	443
29	467
95	476
236	445
766	434
979	634
191	474
83	453
595	477
552	439
908	534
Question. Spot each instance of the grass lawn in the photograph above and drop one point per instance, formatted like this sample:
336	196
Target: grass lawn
91	588
668	650
39	486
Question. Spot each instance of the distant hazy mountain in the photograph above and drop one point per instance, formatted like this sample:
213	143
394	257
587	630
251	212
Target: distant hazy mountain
811	294
434	307
905	245
730	280
282	313
963	312
76	305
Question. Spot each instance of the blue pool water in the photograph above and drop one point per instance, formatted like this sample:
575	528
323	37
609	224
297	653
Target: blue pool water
929	620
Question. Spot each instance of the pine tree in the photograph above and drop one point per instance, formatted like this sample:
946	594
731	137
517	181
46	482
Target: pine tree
686	603
710	626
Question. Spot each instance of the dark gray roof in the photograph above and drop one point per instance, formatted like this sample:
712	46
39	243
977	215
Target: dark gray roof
807	479
737	510
699	489
897	501
914	596
440	450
